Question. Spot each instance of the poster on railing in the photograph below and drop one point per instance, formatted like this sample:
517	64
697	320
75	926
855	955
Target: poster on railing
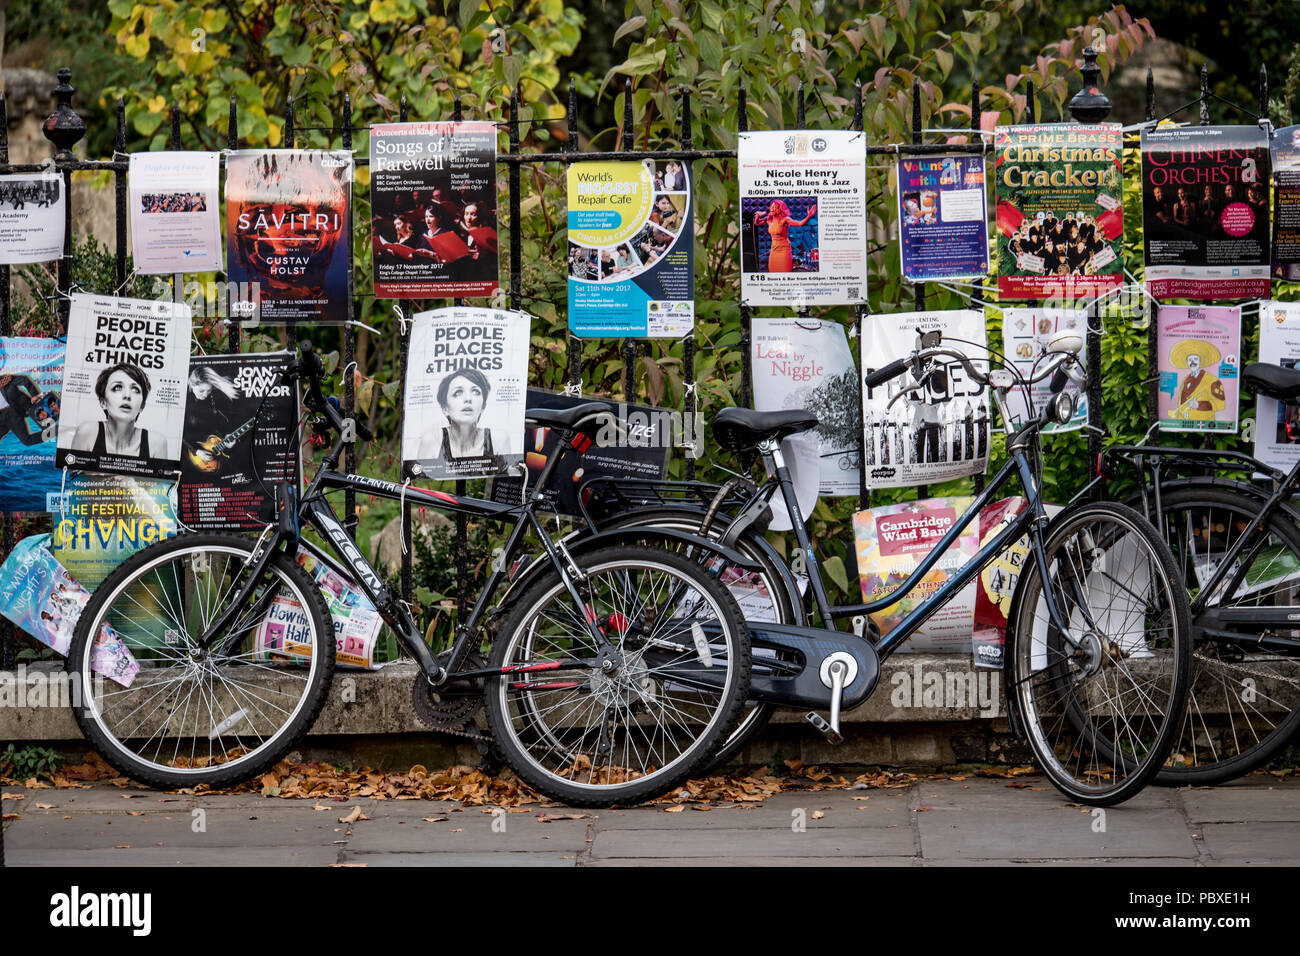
917	433
807	364
631	250
1286	204
943	228
123	400
101	520
1026	334
1060	213
803	218
891	541
466	392
175	216
433	199
38	595
1277	424
31	380
31	218
631	445
289	232
239	441
1200	367
1205	211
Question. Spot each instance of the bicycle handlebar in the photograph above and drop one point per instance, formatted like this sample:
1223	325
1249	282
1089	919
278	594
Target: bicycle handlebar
313	368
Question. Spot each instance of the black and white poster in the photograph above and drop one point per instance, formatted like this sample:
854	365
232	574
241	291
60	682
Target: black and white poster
123	402
433	195
466	392
31	218
175	214
239	440
934	432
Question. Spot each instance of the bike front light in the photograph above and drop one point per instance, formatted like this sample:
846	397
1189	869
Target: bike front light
1062	408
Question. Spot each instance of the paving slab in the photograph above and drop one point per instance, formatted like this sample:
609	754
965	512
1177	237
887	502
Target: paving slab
165	856
1181	863
1054	834
511	859
1248	842
1231	804
474	834
776	813
747	861
220	829
823	842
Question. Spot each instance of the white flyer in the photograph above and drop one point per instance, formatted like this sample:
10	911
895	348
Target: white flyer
806	364
31	218
803	218
1025	337
919	435
1277	424
175	216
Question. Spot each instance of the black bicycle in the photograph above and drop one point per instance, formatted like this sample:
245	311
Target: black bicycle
617	668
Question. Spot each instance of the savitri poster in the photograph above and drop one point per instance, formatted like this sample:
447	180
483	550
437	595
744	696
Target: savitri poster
288	229
239	440
31	378
123	401
1205	211
1200	367
937	432
466	391
1277	424
175	216
1286	204
943	218
806	364
433	201
31	218
631	250
1026	333
803	218
1060	211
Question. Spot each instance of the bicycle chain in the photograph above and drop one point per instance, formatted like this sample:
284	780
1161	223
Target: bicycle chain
1245	668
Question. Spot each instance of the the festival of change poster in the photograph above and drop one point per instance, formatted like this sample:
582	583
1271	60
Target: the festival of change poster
1205	212
289	232
943	228
631	249
1060	212
433	201
803	223
1200	367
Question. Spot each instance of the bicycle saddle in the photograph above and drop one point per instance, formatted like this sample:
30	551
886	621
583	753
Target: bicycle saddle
1272	380
740	429
566	417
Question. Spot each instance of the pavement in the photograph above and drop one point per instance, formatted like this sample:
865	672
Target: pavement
975	821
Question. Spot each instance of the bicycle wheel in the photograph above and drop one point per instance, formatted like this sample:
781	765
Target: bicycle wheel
1100	702
1244	702
188	716
762	596
594	725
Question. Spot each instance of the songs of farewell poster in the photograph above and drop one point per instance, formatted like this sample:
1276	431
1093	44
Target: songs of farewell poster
239	440
289	232
433	198
1205	211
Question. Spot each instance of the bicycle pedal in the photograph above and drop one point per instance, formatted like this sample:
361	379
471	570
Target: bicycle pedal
822	724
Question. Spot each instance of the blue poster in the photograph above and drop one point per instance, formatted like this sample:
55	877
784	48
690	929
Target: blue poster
943	218
31	379
631	250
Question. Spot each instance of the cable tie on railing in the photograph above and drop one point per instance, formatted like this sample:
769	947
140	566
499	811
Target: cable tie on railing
401	515
401	319
573	389
345	369
63	496
363	325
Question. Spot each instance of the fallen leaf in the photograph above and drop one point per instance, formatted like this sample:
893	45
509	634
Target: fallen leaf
122	846
861	798
817	814
14	796
11	816
676	809
346	865
46	806
552	817
457	830
320	806
921	809
435	819
354	816
132	796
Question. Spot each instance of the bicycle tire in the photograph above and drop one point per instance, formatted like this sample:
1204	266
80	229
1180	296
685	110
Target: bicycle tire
781	606
250	706
545	726
1101	716
1259	689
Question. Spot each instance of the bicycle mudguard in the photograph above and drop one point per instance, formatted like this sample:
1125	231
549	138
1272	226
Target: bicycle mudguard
796	683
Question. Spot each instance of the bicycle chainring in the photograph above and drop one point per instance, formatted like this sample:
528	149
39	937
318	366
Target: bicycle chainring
449	708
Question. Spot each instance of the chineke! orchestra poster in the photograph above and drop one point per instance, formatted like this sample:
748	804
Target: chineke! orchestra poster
434	204
466	388
631	250
943	218
288	230
1060	213
1205	211
803	218
123	401
1200	366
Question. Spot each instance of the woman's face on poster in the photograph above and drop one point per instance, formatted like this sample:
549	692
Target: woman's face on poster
123	398
464	402
200	387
